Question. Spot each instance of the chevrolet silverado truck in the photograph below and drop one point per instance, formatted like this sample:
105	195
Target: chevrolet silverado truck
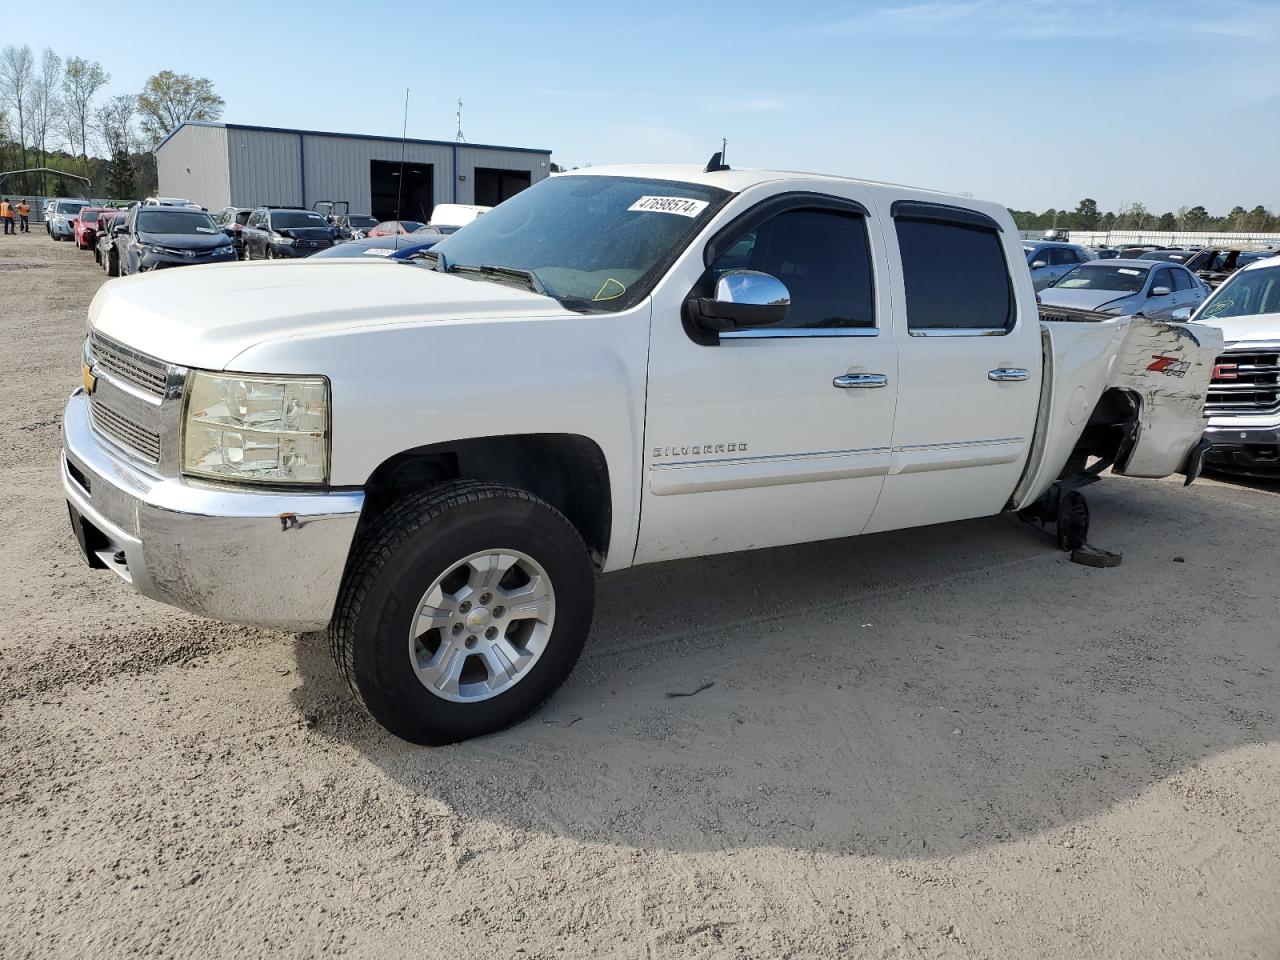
434	459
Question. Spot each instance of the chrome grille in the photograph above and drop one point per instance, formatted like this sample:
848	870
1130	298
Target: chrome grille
1246	382
132	367
130	434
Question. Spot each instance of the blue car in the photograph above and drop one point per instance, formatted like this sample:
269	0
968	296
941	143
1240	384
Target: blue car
386	248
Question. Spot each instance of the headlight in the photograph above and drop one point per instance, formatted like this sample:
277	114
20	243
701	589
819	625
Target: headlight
1112	311
225	251
256	429
285	240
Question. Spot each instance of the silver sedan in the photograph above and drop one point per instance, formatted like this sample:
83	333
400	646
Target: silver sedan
1142	288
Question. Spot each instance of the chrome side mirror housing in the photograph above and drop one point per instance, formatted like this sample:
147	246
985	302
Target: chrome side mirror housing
1181	315
743	298
1038	264
1160	291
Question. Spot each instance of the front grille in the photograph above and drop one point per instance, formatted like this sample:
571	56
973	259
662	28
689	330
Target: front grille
128	365
1245	383
126	432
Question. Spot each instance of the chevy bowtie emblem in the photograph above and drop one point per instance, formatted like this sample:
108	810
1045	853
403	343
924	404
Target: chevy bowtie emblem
87	378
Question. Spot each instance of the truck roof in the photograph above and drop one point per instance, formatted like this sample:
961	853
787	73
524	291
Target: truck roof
736	181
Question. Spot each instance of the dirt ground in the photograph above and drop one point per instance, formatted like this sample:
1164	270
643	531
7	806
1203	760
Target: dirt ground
946	743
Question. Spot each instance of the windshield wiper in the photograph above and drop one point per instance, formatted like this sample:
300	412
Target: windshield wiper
486	270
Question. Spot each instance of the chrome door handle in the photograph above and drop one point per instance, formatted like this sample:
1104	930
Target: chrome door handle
850	380
1008	374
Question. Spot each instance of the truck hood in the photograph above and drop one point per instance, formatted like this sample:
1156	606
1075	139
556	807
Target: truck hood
1260	327
205	316
1081	299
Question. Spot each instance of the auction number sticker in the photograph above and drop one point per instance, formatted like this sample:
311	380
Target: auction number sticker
681	206
1129	272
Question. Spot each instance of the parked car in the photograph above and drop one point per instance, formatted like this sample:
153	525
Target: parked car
84	228
1050	260
1104	253
1214	264
456	215
1244	397
676	362
391	228
1131	251
59	225
155	237
1168	255
384	248
103	239
353	226
231	221
273	233
1136	288
170	202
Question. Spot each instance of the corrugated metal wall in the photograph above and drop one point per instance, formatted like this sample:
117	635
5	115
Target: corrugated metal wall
193	164
265	168
278	168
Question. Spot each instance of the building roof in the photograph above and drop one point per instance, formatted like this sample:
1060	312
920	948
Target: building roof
343	136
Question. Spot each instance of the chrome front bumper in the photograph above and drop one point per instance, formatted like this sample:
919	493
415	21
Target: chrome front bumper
263	558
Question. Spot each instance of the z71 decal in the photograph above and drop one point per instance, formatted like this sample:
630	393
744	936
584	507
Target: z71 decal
1169	366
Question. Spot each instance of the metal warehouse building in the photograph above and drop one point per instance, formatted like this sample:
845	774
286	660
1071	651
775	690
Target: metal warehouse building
227	164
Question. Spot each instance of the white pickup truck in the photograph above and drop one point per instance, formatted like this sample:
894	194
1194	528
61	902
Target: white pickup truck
434	459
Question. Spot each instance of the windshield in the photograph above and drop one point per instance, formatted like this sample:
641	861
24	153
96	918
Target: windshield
361	223
89	216
601	241
1244	294
157	220
1176	256
290	221
71	207
1097	276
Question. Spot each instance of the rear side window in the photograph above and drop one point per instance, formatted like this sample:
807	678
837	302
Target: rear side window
1181	280
955	277
824	259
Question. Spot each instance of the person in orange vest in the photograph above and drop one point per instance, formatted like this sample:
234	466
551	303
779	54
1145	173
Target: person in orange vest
6	214
24	212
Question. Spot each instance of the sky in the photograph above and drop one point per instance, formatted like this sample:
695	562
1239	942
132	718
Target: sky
1034	104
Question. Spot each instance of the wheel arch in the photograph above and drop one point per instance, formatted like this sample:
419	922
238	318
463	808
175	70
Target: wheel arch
568	471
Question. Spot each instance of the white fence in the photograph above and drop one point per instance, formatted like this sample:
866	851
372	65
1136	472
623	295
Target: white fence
1176	238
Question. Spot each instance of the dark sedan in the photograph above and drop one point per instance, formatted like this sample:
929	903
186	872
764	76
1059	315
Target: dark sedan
385	248
152	238
272	234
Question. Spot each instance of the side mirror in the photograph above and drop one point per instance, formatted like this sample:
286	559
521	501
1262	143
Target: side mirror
743	298
118	229
1160	291
1038	264
1181	315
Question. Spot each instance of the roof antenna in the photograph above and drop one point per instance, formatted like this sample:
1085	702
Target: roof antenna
404	134
716	163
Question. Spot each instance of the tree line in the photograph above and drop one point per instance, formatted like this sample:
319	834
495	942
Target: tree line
1136	217
59	113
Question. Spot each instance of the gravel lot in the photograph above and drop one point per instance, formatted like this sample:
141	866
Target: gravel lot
949	742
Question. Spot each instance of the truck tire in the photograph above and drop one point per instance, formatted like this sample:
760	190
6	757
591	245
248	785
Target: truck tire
113	264
463	609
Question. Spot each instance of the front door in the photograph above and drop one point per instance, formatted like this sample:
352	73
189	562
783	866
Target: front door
778	434
970	364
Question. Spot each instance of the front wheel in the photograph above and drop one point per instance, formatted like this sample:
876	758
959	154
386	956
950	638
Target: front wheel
465	607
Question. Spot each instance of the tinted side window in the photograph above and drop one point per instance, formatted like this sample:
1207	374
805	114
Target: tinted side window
822	256
1181	280
1161	279
1061	256
955	277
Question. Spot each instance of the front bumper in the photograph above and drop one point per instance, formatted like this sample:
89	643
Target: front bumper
1244	449
265	558
285	250
60	228
158	260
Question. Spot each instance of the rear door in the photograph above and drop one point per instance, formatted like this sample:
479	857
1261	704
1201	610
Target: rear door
969	362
